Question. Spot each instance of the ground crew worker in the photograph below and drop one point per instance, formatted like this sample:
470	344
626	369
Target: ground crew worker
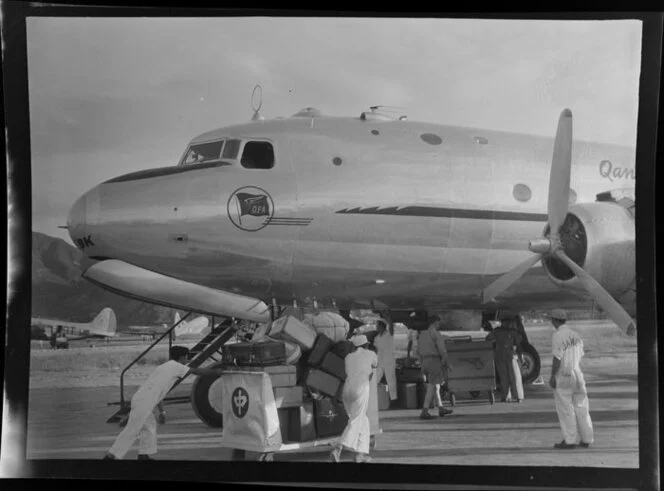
384	344
141	423
569	386
412	343
360	366
433	356
505	339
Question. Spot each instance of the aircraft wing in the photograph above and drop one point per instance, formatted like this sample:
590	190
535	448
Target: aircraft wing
147	286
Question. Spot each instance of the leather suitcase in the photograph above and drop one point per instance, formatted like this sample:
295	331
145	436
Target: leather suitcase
264	353
331	418
288	396
292	330
407	395
334	365
284	424
302	424
321	347
409	375
322	382
383	397
342	348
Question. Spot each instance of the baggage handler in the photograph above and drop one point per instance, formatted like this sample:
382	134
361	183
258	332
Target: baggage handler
569	386
141	423
505	337
384	343
433	356
412	343
360	366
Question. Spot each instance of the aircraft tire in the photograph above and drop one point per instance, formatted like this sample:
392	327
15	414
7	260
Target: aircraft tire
207	411
531	367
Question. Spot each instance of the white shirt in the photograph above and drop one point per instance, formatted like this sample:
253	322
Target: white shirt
567	346
412	337
359	365
384	344
160	381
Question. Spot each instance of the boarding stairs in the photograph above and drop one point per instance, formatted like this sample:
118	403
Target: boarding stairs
208	348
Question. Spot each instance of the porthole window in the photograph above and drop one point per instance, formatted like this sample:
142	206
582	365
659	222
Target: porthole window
480	140
572	197
521	192
337	161
375	132
431	138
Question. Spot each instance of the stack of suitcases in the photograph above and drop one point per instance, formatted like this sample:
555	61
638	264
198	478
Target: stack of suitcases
410	385
308	392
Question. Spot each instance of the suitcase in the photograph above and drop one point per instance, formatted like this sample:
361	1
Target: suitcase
407	395
421	392
284	424
342	348
280	375
292	330
409	375
264	353
302	425
321	347
288	396
331	418
322	382
334	365
383	397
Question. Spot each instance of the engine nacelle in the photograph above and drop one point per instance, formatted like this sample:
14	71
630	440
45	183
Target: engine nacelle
599	237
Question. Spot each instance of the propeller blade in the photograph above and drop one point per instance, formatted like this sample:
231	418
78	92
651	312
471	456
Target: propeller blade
506	280
560	172
601	296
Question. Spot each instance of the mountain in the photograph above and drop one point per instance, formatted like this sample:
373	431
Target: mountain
59	291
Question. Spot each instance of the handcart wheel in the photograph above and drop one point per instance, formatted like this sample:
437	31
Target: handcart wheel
492	397
474	394
266	457
372	442
238	454
452	398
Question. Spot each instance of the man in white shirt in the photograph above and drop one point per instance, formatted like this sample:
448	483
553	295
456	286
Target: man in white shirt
141	424
569	386
412	343
384	344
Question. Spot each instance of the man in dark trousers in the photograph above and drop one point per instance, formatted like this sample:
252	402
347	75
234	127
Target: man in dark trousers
505	339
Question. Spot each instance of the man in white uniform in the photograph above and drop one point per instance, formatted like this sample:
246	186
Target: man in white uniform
141	424
569	386
360	366
384	344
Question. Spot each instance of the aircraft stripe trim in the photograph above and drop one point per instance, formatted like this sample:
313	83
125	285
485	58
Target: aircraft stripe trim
433	212
288	221
165	171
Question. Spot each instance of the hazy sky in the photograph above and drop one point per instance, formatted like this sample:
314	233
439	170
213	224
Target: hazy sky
111	96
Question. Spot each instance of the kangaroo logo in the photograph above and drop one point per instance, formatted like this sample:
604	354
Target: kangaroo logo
240	402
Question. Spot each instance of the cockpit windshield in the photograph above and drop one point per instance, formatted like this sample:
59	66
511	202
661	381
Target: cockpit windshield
203	152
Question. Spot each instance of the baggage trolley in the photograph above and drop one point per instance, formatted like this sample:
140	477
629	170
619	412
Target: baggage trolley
266	453
471	368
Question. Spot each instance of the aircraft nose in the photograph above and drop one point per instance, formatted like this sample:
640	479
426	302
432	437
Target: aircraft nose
76	219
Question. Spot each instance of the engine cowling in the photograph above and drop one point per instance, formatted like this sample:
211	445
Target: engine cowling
599	237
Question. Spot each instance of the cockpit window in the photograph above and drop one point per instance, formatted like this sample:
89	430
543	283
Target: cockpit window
257	155
231	150
203	152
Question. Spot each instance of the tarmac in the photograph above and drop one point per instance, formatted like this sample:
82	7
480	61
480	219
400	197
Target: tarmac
70	423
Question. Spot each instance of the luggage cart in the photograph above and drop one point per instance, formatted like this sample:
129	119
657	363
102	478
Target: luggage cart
266	453
471	368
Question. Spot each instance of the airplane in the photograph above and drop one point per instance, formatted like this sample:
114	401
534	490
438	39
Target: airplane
153	331
104	325
192	329
405	218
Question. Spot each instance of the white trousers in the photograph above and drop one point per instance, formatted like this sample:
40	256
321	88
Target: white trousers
141	425
573	408
390	376
357	433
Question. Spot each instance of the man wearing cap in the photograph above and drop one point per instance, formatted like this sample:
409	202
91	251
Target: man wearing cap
360	366
505	338
141	424
569	386
433	356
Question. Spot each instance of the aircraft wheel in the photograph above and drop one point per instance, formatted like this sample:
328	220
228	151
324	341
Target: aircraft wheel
530	368
206	399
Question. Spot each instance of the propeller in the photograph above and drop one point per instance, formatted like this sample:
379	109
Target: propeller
550	245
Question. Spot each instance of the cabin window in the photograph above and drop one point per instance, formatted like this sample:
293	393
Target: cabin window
231	150
257	155
203	152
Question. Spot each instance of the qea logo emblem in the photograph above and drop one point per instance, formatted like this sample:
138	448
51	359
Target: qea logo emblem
250	208
240	402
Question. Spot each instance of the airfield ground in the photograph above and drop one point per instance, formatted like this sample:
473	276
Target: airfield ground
70	391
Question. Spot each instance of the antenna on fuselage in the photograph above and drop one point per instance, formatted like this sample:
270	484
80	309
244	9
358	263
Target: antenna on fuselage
257	115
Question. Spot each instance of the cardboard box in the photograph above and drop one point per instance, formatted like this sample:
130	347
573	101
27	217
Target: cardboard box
284	424
280	375
288	396
302	425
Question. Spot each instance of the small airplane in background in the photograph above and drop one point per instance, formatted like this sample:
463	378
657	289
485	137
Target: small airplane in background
104	325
